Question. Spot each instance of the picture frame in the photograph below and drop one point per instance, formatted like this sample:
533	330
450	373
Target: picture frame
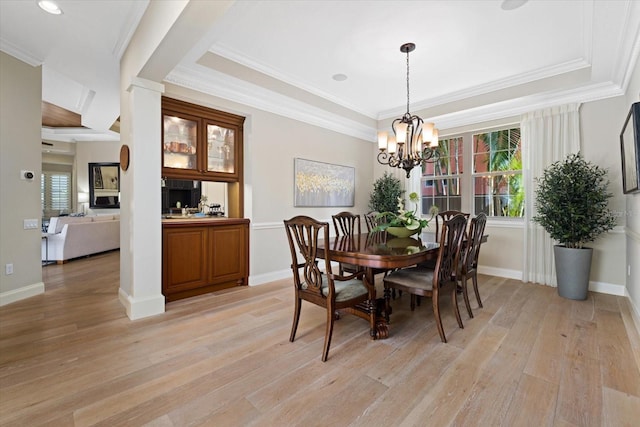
104	185
630	150
319	184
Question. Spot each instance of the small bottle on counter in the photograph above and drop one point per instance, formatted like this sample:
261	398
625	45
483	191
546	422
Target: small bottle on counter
178	204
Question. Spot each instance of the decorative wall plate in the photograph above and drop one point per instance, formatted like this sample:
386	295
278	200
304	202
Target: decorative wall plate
124	157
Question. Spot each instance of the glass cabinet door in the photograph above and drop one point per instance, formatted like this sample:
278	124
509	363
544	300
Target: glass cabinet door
221	149
180	143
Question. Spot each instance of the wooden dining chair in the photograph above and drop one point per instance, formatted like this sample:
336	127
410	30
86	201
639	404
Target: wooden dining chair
426	282
446	216
346	224
469	259
328	290
371	220
440	219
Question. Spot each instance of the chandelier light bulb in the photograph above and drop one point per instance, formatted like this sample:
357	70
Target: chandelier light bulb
382	140
434	139
391	144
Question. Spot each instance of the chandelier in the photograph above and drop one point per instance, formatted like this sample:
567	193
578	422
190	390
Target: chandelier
413	142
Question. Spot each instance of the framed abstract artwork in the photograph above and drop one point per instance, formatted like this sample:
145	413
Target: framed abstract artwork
323	184
630	150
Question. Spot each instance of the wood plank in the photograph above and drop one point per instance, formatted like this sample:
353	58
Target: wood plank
528	358
537	411
545	361
620	409
631	327
412	383
491	395
441	404
615	349
580	392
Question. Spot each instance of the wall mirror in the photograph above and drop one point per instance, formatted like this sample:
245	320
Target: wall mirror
104	185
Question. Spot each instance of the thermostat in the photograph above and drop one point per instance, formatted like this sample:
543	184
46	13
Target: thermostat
27	175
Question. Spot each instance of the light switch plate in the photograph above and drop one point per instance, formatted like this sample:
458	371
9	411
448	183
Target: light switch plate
30	224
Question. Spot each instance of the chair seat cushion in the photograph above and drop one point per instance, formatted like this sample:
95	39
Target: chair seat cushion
349	289
414	277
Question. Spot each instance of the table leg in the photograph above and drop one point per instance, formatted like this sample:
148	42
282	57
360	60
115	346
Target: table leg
380	319
372	310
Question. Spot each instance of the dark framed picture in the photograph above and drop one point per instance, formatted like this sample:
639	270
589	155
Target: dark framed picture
104	185
630	150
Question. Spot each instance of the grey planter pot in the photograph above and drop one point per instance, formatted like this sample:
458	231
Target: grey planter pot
572	271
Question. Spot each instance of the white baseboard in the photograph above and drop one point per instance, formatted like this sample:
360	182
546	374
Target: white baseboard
601	287
500	272
607	288
261	279
635	311
21	293
138	308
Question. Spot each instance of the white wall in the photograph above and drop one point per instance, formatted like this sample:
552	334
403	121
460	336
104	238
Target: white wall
20	124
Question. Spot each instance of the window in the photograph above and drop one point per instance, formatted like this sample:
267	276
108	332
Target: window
497	173
495	185
55	191
440	183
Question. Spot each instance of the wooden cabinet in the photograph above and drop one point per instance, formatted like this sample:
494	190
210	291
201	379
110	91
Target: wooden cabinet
200	143
202	256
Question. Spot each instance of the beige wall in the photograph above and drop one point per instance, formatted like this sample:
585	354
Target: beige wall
20	123
632	215
93	152
271	144
600	125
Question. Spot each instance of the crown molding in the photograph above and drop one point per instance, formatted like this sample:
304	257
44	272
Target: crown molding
221	85
518	106
232	55
224	86
13	50
629	46
494	86
134	16
78	135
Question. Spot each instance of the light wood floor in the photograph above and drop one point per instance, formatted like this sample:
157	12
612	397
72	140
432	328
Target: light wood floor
529	358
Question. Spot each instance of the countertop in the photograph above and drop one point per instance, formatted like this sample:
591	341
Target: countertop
200	220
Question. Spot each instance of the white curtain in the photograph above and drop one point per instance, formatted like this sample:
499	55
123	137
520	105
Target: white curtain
548	135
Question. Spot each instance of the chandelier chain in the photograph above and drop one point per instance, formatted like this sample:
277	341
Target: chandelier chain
407	82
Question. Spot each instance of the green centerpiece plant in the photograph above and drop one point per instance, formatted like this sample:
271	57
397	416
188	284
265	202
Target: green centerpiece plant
572	206
401	222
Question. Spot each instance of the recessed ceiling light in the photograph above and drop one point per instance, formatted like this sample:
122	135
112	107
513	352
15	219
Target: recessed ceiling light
50	6
339	77
512	4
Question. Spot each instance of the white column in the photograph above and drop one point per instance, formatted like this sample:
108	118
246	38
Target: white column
140	206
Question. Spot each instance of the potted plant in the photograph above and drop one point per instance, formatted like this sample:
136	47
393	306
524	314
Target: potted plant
403	223
572	206
386	191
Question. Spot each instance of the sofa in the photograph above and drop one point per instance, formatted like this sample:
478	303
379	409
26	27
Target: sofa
72	237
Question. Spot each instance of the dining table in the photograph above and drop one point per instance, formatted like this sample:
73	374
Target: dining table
377	251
